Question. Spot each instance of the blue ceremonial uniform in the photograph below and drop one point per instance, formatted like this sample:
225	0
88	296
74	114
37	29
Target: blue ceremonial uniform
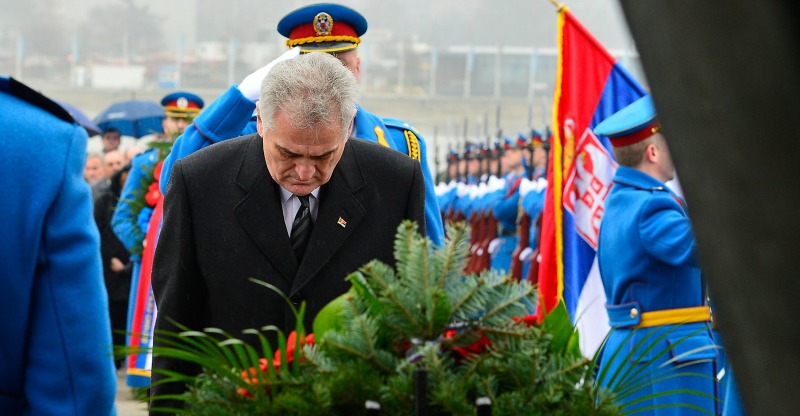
131	233
405	139
660	351
55	354
333	28
228	116
532	203
505	207
647	263
448	197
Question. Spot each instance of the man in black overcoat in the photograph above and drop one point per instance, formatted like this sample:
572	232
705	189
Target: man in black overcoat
298	205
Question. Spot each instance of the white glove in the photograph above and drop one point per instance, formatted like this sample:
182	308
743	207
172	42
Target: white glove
524	187
251	85
494	245
526	254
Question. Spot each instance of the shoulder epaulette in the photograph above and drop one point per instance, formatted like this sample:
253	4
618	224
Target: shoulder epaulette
412	137
27	94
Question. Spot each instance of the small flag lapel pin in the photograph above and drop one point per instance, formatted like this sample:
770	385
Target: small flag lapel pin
342	222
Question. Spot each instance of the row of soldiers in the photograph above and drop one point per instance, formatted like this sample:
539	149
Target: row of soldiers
499	190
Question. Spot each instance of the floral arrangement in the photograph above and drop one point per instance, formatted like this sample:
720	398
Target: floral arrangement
421	334
147	194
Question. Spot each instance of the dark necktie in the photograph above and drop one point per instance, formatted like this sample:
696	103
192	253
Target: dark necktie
301	228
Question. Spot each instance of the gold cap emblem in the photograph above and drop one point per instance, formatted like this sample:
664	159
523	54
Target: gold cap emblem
323	24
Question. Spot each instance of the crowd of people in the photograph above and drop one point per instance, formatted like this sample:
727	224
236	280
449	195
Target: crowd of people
287	178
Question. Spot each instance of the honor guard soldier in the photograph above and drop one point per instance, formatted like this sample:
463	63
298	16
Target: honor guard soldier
329	28
136	204
55	354
506	205
531	201
661	322
531	198
446	192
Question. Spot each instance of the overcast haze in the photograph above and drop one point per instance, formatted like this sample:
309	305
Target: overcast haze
438	22
415	55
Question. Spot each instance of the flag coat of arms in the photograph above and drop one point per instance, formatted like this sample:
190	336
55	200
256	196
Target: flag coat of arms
590	86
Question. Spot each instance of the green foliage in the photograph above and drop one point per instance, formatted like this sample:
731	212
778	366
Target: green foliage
138	202
423	314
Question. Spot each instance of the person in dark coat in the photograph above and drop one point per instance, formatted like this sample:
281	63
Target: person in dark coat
298	205
117	265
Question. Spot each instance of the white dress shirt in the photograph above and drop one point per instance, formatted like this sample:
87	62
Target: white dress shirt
291	203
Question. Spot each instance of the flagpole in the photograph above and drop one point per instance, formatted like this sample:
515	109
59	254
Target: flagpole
559	6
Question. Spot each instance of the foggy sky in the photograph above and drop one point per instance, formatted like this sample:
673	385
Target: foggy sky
439	22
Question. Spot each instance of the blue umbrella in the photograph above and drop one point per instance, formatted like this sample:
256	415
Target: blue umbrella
134	118
85	122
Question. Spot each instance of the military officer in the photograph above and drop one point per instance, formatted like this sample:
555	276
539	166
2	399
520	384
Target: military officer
55	355
325	27
505	205
531	200
661	350
132	215
446	191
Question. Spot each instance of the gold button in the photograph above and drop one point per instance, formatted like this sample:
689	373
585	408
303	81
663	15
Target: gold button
634	313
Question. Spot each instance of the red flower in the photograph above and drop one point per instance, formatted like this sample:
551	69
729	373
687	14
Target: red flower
475	348
157	171
250	375
153	194
290	344
529	320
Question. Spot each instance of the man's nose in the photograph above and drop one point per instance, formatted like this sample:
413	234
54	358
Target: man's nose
182	124
305	170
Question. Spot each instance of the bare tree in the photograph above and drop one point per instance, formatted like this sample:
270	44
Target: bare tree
122	30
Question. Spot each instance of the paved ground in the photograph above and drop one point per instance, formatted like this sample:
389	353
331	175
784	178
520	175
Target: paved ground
126	404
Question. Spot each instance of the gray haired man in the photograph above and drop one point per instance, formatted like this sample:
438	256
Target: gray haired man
300	208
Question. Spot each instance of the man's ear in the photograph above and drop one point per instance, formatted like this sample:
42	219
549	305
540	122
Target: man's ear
259	123
352	126
357	69
651	152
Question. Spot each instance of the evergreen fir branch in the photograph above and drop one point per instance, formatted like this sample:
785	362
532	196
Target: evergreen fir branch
357	353
579	365
364	293
416	265
453	253
406	234
472	288
366	331
390	295
419	314
509	306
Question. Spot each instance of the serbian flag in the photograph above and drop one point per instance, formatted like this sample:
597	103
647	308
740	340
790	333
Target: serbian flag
144	312
590	86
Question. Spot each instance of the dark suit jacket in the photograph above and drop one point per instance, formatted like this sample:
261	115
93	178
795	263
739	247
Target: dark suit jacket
223	224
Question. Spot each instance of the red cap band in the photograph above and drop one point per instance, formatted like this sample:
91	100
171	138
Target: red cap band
307	31
637	136
174	105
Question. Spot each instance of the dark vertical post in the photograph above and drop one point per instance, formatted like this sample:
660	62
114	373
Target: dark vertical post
484	406
372	408
725	82
420	392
